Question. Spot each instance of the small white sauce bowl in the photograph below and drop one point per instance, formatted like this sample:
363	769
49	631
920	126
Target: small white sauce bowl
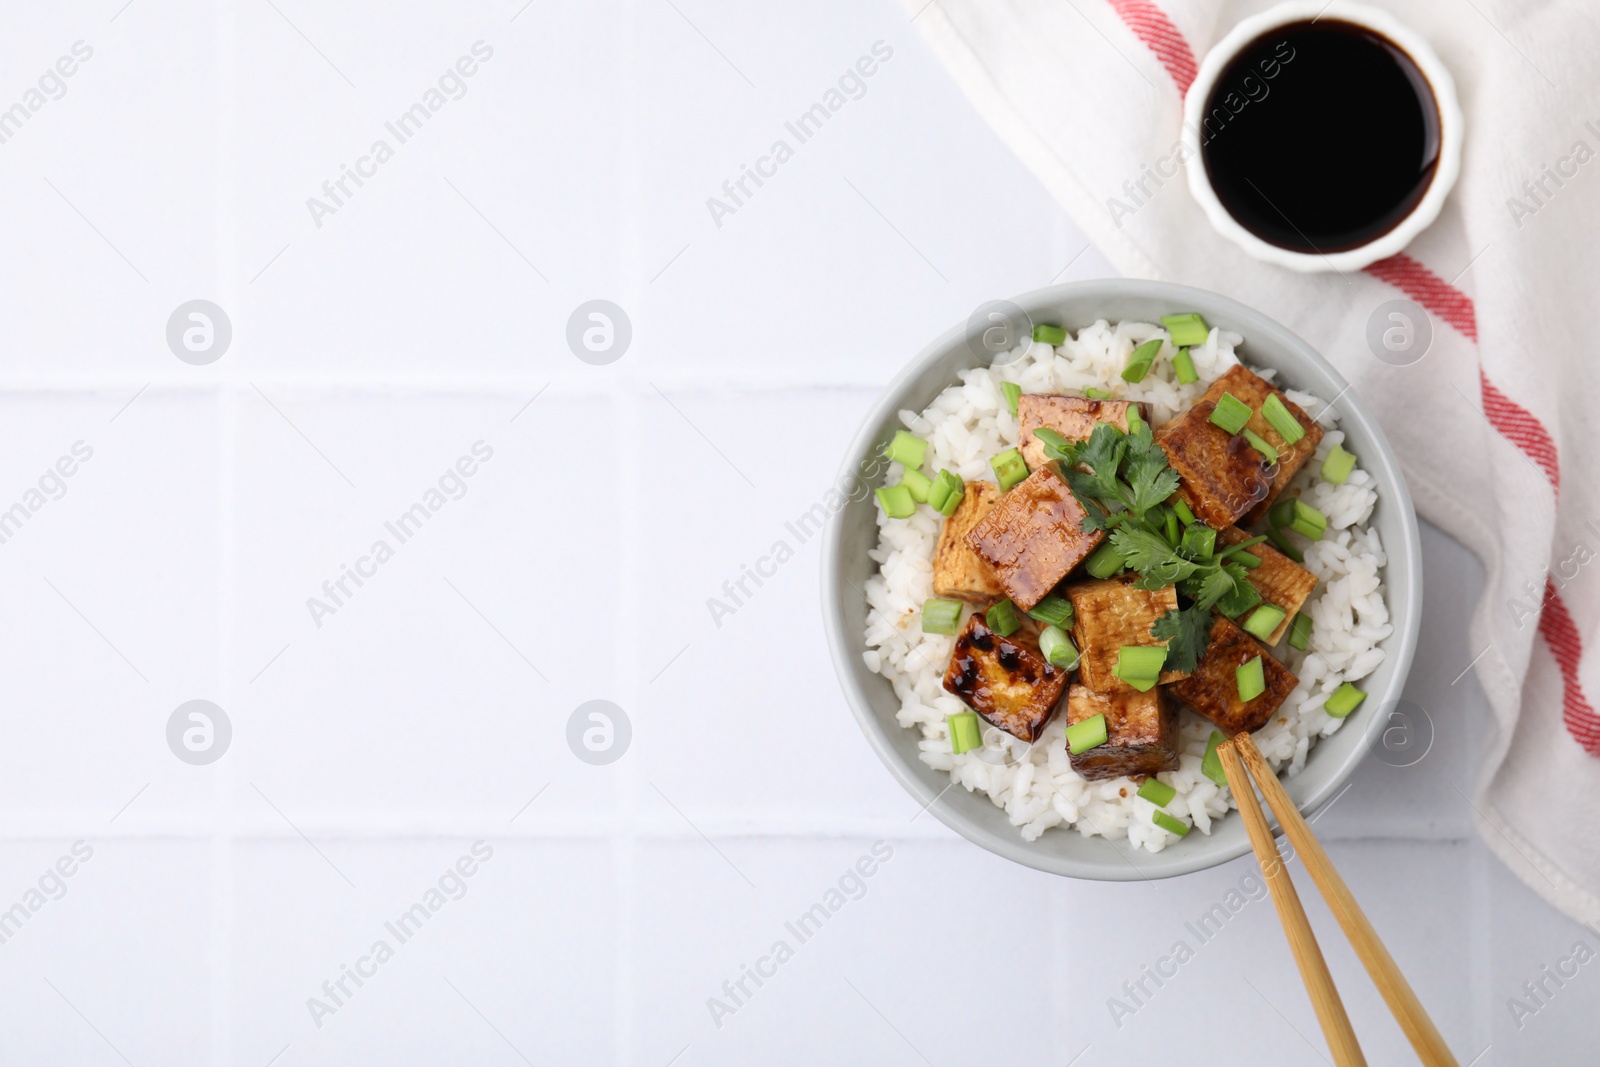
1381	23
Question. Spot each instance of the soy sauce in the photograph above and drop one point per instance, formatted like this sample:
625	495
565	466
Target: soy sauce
1320	136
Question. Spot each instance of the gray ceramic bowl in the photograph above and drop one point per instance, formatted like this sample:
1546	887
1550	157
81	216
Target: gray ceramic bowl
853	531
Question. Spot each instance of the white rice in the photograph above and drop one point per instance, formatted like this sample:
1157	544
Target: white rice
968	423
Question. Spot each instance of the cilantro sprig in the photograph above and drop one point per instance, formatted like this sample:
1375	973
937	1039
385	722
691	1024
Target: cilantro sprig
1186	631
1113	474
1121	480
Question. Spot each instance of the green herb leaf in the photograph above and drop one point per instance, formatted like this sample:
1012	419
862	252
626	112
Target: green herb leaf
1186	633
1094	519
1118	479
1209	588
1151	479
1150	554
1140	435
1102	454
1087	488
1244	595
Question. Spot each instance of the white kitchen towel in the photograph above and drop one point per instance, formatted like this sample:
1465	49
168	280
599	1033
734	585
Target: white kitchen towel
1492	425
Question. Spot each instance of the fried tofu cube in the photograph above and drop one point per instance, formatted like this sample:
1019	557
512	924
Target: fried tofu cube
1005	679
1222	477
1108	613
1033	537
1213	689
1073	417
1279	579
958	571
1225	480
1141	732
1254	390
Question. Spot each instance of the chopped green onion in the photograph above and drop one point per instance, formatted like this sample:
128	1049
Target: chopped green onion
1002	618
1242	599
918	483
1139	362
1134	418
1104	561
1337	467
1183	367
940	616
1184	514
963	732
908	449
1171	521
1251	679
1260	444
1345	699
1054	611
1096	394
1248	560
1054	444
1238	549
1211	766
1281	419
1199	541
1169	824
945	492
1157	792
1263	621
1057	648
1308	521
1090	733
1300	632
1140	661
1009	468
1050	335
897	501
1281	514
1140	665
1011	390
1281	542
1231	413
1186	329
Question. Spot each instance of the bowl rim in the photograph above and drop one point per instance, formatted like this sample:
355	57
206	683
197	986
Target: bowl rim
1451	128
845	648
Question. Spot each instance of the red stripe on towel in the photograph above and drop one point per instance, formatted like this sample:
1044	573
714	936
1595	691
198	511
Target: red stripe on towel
1524	430
1436	295
1151	25
1521	428
1561	634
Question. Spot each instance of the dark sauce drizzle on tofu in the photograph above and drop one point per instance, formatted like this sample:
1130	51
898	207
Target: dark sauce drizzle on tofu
1009	655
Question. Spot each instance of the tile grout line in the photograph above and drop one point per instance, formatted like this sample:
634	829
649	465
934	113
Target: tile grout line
224	813
626	840
630	524
223	880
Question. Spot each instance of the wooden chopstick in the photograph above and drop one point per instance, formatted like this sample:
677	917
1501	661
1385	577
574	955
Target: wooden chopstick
1397	993
1330	1011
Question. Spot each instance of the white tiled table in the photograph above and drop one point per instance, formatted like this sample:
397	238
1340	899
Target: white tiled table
369	753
